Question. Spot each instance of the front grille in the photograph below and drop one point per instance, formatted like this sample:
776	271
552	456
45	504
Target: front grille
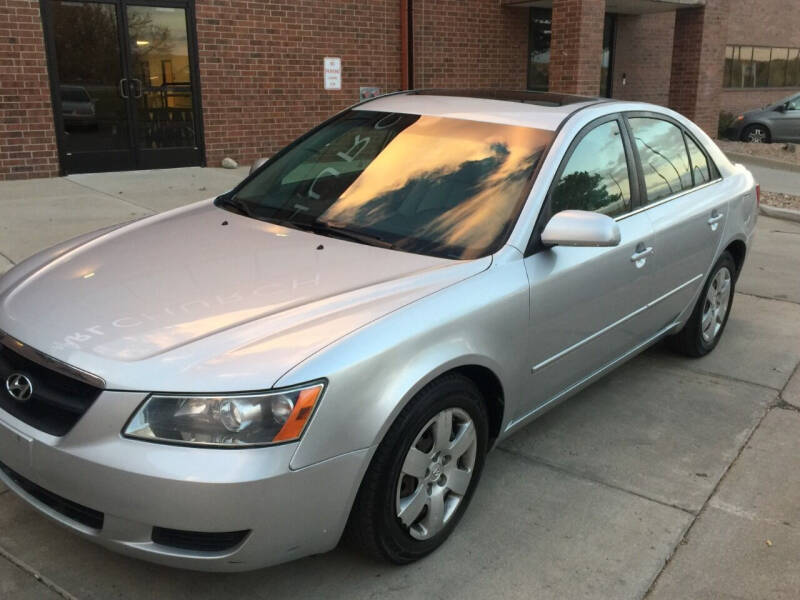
198	540
58	401
72	510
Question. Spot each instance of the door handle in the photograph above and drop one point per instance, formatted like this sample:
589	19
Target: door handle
122	88
137	88
713	221
639	258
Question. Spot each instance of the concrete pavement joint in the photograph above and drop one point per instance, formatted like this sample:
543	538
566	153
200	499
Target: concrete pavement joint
36	575
697	371
7	258
120	198
585	477
760	297
781	403
708	499
794	372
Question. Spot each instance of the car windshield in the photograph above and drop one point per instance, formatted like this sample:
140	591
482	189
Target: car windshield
423	184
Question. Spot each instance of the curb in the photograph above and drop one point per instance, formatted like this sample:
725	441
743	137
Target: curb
786	214
763	162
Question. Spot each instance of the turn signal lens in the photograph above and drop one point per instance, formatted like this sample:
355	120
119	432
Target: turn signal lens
300	415
226	420
758	195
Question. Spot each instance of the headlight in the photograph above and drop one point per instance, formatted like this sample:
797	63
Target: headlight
739	118
229	420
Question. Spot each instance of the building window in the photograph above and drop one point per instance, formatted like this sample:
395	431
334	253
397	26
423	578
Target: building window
608	53
539	36
760	67
539	48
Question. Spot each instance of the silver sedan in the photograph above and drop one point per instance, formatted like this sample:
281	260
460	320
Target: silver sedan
331	348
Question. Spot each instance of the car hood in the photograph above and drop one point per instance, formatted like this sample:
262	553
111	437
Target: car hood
201	299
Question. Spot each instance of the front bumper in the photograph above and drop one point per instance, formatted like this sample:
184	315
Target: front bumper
139	485
734	132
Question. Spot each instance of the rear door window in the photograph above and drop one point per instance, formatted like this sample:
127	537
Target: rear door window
663	155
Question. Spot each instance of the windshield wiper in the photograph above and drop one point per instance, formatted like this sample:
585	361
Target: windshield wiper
235	205
331	230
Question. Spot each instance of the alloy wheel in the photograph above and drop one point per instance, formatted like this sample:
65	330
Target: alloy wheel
436	473
757	136
716	304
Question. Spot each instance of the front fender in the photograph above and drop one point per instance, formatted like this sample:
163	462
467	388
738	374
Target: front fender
374	372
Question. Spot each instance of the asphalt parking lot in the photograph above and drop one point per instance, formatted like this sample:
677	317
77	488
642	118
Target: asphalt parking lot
670	478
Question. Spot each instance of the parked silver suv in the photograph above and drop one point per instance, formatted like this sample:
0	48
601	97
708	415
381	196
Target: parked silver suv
335	344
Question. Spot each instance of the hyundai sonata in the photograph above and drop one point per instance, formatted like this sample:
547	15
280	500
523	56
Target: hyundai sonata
333	346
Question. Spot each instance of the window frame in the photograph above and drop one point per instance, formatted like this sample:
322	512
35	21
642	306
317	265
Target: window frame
714	172
735	60
634	181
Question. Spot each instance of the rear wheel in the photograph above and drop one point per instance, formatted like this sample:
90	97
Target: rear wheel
423	474
756	134
704	328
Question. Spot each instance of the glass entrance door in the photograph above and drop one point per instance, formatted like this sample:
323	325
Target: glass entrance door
162	86
125	91
92	114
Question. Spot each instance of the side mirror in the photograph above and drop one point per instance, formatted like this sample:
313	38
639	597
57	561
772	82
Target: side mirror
257	165
581	228
781	108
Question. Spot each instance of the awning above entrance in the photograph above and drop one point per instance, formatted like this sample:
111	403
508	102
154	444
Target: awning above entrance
624	7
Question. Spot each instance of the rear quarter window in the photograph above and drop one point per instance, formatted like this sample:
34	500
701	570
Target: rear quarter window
700	168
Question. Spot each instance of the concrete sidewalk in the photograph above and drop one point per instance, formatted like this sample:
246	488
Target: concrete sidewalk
670	478
38	213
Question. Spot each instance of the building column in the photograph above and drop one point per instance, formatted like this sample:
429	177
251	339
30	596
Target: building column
698	57
576	46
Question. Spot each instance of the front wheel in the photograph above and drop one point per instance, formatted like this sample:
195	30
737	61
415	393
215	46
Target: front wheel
756	134
423	474
704	328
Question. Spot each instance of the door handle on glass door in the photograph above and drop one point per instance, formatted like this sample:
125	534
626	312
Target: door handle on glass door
137	88
122	83
639	258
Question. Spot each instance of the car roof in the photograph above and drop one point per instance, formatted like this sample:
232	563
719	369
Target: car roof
542	110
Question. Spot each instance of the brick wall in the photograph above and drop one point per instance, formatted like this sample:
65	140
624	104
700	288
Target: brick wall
27	134
778	24
261	63
469	43
261	67
643	53
576	46
698	55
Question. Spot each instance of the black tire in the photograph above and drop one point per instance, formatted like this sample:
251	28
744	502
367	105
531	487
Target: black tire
690	340
374	527
756	134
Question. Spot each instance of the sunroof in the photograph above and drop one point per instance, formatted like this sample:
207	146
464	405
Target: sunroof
524	96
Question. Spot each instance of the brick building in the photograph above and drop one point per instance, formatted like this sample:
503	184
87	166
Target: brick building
88	85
